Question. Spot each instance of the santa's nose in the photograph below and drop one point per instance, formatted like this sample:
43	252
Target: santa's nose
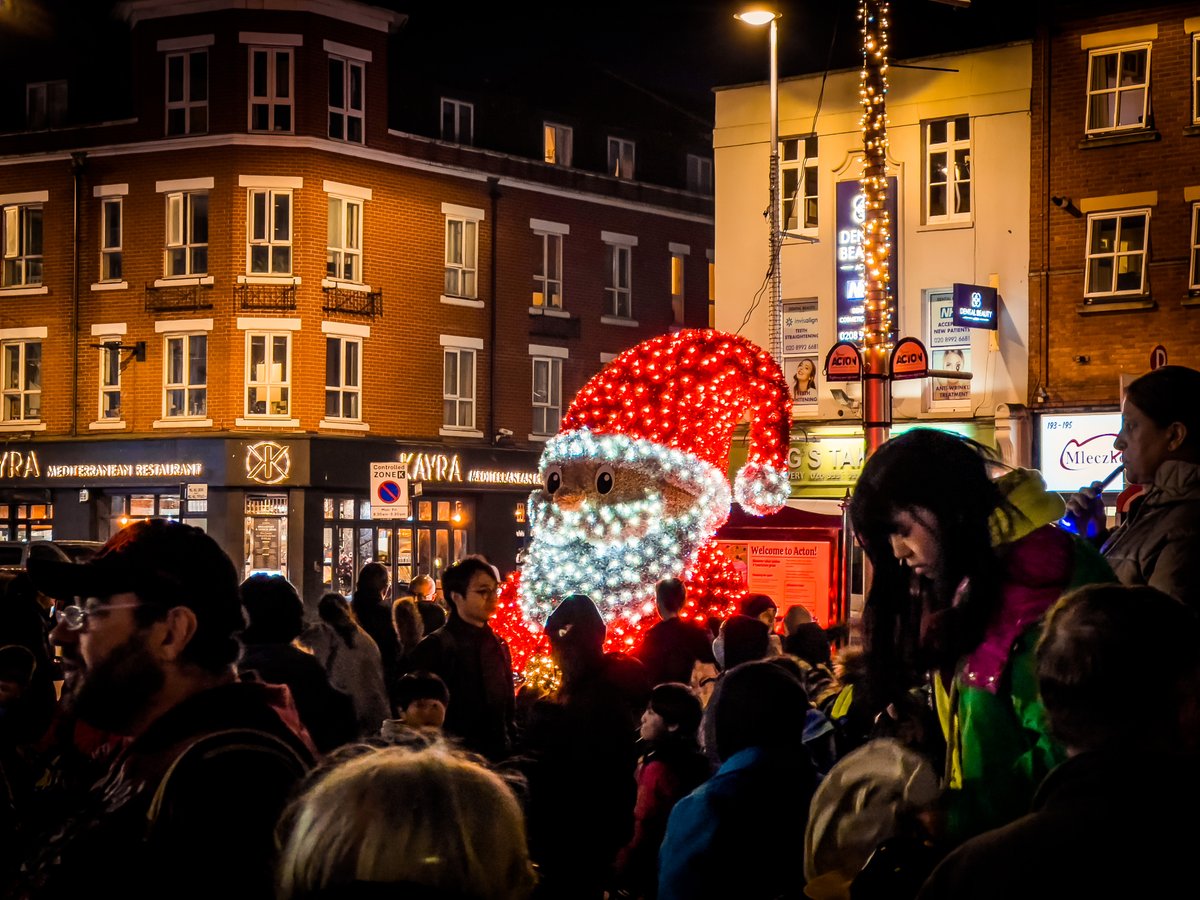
569	500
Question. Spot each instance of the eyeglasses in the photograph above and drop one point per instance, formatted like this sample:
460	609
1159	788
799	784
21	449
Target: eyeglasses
75	618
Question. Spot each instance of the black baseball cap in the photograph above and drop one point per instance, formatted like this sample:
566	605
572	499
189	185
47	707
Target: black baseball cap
163	562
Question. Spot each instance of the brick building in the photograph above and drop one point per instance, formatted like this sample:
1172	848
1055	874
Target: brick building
266	256
1114	206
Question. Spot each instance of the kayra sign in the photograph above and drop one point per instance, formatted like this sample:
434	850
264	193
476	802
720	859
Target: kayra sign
909	360
843	362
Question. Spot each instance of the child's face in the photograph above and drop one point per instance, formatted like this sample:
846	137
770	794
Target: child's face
425	713
653	727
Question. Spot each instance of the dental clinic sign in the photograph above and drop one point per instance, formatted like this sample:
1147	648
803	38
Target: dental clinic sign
1076	449
850	282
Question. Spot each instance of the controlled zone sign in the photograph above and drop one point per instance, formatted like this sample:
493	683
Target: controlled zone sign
843	362
389	490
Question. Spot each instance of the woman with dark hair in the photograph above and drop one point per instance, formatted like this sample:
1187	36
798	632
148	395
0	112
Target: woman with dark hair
351	661
1159	542
671	768
964	566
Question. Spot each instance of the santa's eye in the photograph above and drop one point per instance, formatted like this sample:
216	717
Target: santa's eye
553	479
604	479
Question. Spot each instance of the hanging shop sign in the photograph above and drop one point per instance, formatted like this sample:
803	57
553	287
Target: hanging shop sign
975	306
909	360
1075	449
843	362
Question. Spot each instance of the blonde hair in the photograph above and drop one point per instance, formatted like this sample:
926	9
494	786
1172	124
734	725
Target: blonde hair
429	817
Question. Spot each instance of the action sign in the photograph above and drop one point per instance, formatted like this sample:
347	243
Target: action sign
975	306
909	360
389	491
843	362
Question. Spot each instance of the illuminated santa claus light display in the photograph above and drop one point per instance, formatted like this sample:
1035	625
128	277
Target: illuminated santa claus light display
634	484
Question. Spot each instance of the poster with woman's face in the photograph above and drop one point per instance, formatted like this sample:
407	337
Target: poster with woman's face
802	377
952	360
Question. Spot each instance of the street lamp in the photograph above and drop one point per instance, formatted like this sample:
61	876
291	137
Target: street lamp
758	15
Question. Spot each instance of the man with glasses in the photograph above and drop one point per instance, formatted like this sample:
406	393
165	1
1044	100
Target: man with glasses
188	805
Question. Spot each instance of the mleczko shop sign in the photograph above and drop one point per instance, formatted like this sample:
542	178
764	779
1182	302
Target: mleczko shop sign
21	464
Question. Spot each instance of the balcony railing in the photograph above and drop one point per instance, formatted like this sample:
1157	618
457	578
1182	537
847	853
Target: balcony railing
178	297
260	297
353	303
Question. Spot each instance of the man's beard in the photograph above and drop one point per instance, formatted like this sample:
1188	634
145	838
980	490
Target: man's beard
618	573
113	694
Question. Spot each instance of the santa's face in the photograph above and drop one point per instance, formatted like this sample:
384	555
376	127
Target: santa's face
611	519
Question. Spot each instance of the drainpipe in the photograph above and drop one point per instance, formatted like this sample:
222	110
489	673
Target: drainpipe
494	195
78	163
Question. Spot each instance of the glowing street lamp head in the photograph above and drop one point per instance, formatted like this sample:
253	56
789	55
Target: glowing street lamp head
757	15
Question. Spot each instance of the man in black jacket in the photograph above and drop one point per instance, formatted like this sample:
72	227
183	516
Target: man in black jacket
473	660
673	646
188	806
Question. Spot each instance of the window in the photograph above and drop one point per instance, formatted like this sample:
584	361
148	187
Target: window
699	174
547	280
1116	253
1118	88
343	377
187	233
1196	79
187	92
45	104
270	225
1194	280
712	292
346	78
948	170
547	395
618	260
677	260
458	388
270	89
269	374
798	175
22	388
458	121
557	144
22	242
462	247
110	382
620	157
949	350
110	239
343	257
185	378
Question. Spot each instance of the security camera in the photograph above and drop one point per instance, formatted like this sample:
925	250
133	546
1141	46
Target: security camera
504	432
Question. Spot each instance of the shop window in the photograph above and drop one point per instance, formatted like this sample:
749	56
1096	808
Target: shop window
31	520
350	539
266	534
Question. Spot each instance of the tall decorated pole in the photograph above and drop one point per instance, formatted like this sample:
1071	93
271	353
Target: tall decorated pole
877	327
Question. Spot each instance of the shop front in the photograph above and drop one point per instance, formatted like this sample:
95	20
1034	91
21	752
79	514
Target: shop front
300	508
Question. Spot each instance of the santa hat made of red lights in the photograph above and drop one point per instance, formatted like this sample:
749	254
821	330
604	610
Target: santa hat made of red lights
688	391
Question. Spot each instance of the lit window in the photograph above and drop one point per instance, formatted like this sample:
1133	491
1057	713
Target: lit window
462	248
343	257
948	170
1116	253
185	376
1118	88
458	388
110	239
458	121
620	157
547	281
557	144
798	176
269	374
110	382
343	377
187	234
187	92
547	395
346	86
270	226
21	238
270	89
22	381
677	261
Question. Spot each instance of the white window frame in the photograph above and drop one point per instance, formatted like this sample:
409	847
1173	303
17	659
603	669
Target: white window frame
22	244
189	106
1196	78
270	382
181	221
109	381
45	104
347	113
188	389
556	144
548	280
344	234
548	409
348	376
1092	128
462	256
273	98
1120	215
1194	277
110	252
262	235
699	174
798	207
454	351
460	116
20	391
622	158
618	289
952	181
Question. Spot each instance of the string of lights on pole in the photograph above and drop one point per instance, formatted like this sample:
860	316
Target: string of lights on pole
877	333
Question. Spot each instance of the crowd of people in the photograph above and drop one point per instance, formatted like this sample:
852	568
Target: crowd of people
989	728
